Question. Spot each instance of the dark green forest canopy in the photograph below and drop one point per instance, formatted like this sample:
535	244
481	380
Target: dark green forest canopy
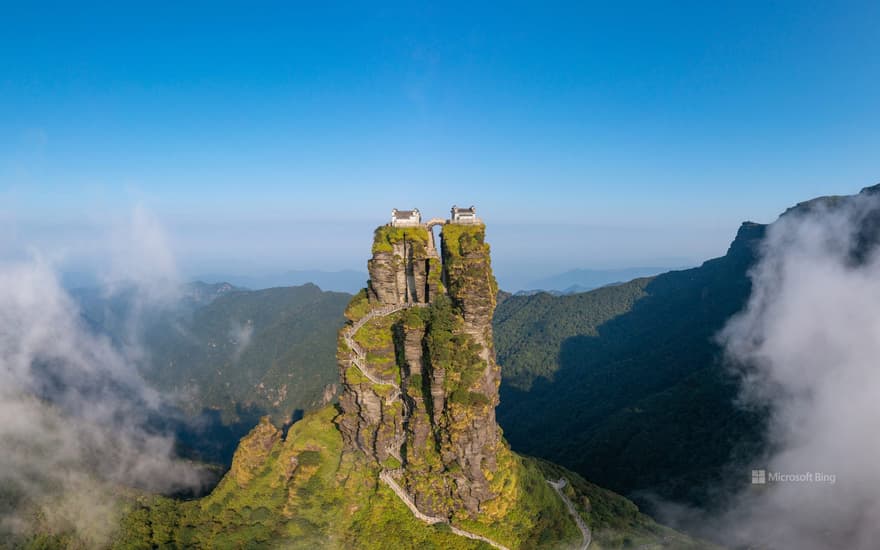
271	350
624	384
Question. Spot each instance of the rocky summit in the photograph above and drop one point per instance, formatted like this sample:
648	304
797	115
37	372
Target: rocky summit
411	456
420	381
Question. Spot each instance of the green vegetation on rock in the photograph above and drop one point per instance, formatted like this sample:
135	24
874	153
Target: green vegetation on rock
465	259
386	236
358	306
453	351
303	491
463	239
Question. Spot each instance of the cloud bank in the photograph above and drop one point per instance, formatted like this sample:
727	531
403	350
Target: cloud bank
74	412
808	348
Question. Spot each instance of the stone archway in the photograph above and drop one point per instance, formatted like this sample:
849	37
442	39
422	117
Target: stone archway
432	247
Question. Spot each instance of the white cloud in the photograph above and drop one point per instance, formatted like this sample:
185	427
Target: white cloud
74	410
808	345
240	336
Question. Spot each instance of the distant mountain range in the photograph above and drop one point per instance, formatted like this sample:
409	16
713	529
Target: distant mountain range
348	280
582	280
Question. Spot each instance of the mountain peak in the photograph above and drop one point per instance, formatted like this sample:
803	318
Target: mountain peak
420	381
416	457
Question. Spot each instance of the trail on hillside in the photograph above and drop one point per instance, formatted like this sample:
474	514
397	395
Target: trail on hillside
386	475
585	531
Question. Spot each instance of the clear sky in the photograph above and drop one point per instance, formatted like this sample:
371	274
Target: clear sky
275	135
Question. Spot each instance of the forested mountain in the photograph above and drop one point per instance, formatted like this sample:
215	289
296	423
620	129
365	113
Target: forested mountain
624	384
271	349
236	351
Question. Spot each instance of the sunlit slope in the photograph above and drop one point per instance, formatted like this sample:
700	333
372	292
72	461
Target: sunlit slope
302	491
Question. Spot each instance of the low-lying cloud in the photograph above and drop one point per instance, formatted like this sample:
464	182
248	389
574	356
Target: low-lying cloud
808	348
74	410
240	335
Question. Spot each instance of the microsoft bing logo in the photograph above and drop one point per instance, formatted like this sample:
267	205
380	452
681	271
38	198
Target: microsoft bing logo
759	477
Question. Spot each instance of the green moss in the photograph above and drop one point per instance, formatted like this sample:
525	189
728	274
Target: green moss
386	236
435	273
353	375
375	334
309	458
414	388
358	306
467	265
527	513
468	398
415	317
460	239
452	350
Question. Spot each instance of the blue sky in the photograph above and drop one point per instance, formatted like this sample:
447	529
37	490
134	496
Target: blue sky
275	135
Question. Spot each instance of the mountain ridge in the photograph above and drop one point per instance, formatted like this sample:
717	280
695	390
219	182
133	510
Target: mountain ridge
657	417
640	360
584	279
412	454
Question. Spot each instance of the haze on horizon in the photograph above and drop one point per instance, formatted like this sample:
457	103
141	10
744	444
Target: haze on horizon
272	139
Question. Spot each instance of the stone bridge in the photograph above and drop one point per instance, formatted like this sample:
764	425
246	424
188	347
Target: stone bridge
432	247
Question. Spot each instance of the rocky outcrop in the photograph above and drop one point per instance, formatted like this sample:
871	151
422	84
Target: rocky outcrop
470	282
435	425
253	451
404	267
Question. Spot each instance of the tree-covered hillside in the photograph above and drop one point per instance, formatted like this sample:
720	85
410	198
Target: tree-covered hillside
270	350
239	352
625	384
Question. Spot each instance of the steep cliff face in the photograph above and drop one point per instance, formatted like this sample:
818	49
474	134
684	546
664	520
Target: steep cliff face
404	267
420	381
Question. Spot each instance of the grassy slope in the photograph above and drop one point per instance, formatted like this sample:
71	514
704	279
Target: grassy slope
624	384
303	492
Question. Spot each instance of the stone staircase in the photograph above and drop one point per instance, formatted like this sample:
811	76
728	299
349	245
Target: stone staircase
388	476
359	359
